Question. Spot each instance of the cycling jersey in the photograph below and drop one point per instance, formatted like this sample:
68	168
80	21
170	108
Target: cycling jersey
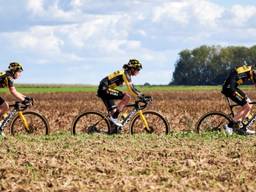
237	77
6	79
107	91
119	78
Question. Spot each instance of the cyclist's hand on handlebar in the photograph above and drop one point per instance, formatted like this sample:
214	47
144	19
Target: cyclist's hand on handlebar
141	96
145	98
28	101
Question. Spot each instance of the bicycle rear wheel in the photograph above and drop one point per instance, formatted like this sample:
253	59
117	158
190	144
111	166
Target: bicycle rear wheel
37	124
157	124
212	121
90	122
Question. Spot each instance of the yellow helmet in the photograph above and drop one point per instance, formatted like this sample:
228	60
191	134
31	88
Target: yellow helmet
14	66
134	63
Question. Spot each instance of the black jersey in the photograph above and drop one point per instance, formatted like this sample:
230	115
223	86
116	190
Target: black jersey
239	76
6	79
118	78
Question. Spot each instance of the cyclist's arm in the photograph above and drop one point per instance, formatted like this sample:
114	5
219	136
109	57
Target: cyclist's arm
134	92
16	94
131	88
233	83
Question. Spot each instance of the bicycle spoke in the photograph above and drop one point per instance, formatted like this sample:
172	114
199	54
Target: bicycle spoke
212	122
90	122
157	124
37	125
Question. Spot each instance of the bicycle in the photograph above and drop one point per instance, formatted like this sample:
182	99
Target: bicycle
216	120
21	121
140	120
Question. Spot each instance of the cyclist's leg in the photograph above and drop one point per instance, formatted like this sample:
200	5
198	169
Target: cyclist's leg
125	100
108	96
241	99
231	94
4	107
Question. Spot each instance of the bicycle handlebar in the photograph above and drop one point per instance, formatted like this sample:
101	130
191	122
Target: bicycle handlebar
141	103
20	106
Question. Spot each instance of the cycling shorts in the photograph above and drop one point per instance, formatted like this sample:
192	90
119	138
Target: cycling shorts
236	95
109	95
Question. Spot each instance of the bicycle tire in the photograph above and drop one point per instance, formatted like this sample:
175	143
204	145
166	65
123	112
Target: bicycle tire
38	124
205	123
85	124
153	119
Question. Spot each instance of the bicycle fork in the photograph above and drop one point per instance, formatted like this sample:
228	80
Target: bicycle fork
23	119
143	119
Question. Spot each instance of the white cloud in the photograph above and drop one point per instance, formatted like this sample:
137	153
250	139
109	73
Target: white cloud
241	14
174	10
38	38
76	3
183	12
35	6
206	12
99	37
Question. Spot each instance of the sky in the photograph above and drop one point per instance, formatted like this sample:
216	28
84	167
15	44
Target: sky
82	41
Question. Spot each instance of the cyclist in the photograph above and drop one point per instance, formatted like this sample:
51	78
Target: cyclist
7	80
108	93
238	76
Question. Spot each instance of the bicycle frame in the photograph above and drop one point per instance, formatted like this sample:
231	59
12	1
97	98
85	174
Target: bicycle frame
231	106
136	110
10	117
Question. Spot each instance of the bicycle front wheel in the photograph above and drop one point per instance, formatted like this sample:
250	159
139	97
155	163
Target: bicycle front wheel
156	122
212	122
90	122
37	124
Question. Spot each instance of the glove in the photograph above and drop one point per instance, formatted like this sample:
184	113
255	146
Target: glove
141	96
27	100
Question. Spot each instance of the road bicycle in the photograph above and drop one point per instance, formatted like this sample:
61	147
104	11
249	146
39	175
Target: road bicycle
24	122
216	120
139	120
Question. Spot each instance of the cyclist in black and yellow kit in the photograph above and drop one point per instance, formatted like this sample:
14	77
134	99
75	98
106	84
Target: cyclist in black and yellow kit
108	93
238	76
6	80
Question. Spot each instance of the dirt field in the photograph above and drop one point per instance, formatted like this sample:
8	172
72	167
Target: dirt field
183	161
181	108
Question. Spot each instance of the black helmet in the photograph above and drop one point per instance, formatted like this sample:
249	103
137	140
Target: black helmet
14	67
133	64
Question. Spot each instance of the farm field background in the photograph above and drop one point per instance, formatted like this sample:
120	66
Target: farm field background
183	161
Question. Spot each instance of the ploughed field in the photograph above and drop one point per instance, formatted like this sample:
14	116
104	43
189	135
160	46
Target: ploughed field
183	161
181	108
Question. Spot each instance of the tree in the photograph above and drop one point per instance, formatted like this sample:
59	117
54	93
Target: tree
210	65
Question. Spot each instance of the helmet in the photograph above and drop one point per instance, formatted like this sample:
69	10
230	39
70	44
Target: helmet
134	63
14	67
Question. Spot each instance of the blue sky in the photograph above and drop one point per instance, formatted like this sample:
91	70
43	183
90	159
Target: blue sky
81	41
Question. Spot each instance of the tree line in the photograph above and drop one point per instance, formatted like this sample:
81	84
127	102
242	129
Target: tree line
210	65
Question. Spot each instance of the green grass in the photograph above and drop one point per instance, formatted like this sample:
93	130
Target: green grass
90	88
